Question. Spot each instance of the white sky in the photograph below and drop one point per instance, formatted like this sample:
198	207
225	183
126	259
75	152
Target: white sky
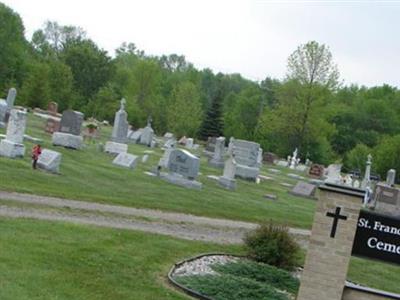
253	38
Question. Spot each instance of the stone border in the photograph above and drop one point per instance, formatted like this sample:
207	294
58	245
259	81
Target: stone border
354	286
186	290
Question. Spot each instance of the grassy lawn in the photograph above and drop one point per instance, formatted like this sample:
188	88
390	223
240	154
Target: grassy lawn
46	260
89	175
53	260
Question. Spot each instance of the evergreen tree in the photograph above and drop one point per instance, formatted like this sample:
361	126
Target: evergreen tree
213	123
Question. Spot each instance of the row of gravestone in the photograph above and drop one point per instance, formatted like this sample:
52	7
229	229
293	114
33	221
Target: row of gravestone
12	146
243	161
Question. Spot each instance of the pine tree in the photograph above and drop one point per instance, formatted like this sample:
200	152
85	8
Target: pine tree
213	124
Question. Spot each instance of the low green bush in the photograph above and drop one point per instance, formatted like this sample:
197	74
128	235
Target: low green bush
272	244
262	273
229	287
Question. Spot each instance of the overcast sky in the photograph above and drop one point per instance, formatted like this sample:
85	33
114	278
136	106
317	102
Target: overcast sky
253	38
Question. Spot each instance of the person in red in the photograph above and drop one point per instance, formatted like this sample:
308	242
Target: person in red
36	151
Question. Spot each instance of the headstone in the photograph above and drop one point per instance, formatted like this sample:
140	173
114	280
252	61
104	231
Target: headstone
182	141
147	136
71	122
293	161
366	182
260	157
184	163
316	170
270	157
52	108
120	128
333	231
217	159
210	145
304	189
52	125
145	158
168	136
50	161
301	168
126	160
246	156
227	180
332	173
134	136
189	143
115	148
70	130
3	112
12	94
282	163
391	177
165	158
387	199
169	144
183	168
12	146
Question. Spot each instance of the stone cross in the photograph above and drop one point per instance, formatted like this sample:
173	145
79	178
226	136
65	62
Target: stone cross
123	103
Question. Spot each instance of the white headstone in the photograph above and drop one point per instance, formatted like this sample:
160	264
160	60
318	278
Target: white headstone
12	145
391	177
126	160
333	173
50	161
16	126
189	143
145	158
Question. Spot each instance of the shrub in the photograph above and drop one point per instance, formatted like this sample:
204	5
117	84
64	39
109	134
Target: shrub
272	244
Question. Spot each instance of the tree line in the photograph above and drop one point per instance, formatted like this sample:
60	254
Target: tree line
309	109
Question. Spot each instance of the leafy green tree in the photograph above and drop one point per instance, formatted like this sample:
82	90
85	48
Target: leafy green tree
184	113
241	118
13	48
357	157
35	91
387	156
60	82
91	67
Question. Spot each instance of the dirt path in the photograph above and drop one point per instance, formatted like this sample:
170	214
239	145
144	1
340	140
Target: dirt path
179	225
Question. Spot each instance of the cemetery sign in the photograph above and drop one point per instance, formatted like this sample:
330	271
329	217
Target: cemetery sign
377	237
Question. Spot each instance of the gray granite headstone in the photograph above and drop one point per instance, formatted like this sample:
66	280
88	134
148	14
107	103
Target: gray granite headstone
121	126
227	180
184	163
304	189
12	94
247	156
126	160
115	148
50	161
71	122
217	159
147	136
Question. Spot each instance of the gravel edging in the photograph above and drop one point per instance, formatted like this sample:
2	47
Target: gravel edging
186	290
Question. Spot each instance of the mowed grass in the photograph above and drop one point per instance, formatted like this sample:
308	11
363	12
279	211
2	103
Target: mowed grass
89	175
56	260
46	260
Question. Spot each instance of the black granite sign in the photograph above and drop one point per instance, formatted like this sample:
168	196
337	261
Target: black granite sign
377	237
